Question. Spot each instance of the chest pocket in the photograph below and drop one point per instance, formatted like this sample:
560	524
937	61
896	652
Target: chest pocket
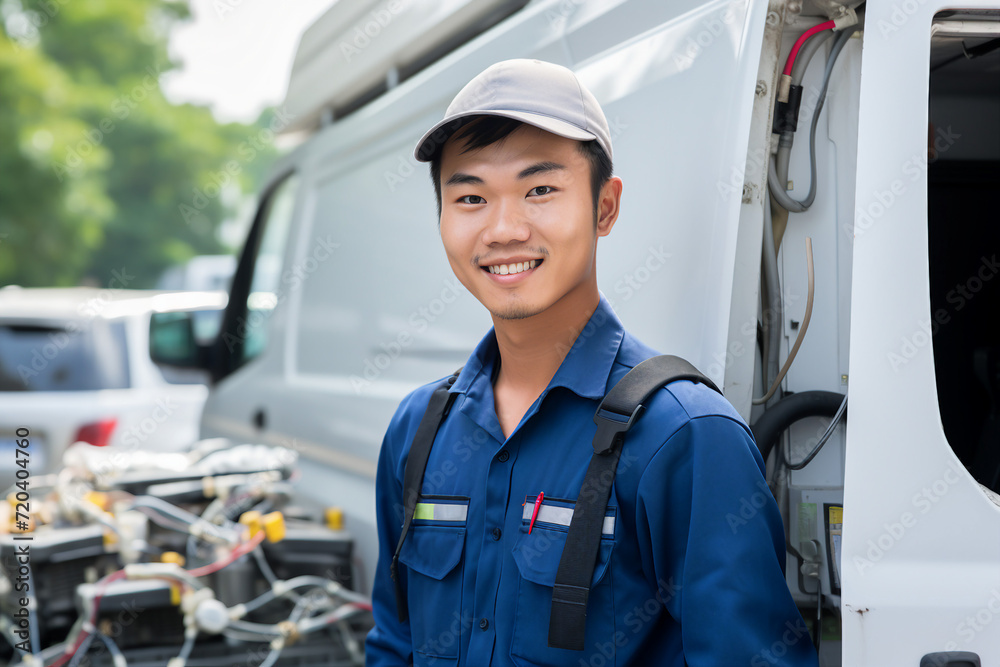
432	554
537	556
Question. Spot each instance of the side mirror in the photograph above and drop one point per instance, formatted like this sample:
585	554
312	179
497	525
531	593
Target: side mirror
172	340
183	338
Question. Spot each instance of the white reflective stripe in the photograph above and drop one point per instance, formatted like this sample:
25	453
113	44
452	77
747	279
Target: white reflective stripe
561	516
441	512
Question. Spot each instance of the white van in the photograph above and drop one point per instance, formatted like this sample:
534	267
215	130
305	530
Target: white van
343	300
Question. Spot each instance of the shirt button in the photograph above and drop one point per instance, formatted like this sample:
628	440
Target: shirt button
483	624
503	456
497	533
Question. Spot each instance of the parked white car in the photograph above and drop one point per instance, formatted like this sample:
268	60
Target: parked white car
75	365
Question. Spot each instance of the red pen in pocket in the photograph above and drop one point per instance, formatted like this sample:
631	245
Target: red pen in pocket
534	513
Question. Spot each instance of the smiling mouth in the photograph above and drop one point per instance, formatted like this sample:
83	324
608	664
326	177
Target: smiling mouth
516	267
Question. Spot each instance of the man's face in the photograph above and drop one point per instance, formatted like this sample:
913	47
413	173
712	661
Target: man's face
523	200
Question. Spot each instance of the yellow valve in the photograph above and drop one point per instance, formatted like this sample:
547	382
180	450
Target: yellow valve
252	521
334	518
172	557
98	498
274	526
175	593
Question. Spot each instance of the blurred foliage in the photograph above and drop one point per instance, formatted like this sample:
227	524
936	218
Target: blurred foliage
100	172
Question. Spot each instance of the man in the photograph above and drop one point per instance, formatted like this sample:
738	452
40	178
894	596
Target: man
522	168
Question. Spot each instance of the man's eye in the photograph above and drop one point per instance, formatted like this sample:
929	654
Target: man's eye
547	188
477	198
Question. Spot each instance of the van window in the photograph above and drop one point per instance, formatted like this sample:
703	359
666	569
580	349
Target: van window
962	167
264	294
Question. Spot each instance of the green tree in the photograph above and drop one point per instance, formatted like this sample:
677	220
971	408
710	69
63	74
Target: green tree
101	171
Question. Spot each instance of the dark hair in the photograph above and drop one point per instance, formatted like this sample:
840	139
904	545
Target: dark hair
491	129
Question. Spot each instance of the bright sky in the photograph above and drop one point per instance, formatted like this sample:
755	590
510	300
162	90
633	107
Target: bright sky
236	55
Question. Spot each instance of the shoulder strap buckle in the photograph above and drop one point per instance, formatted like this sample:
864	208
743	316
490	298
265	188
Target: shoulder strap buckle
612	427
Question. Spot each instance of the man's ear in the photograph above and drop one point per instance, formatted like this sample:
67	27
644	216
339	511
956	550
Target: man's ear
608	205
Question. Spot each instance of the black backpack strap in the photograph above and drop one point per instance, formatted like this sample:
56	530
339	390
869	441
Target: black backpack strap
413	475
614	417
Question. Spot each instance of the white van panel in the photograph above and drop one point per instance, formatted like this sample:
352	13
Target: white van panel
920	561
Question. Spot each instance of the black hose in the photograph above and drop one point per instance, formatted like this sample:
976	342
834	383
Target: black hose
790	409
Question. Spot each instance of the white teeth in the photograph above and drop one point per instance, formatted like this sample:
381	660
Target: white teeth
506	269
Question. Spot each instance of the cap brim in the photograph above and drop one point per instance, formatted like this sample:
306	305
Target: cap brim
435	138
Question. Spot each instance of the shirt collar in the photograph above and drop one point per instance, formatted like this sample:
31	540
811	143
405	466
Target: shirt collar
585	369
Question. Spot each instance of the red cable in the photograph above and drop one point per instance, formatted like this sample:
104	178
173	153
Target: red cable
828	25
242	549
93	617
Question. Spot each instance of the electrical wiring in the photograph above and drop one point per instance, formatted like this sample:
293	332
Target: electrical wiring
256	628
802	327
288	586
46	654
265	568
163	521
196	525
187	647
116	653
81	650
240	550
772	311
246	636
202	595
162	571
806	54
819	445
343	612
778	167
272	657
86	629
790	61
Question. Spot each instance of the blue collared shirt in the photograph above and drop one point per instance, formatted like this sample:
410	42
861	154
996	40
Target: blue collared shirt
685	573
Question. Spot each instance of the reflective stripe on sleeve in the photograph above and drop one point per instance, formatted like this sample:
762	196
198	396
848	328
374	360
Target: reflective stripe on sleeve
441	512
561	516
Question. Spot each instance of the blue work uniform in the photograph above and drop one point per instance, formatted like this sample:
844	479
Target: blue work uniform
690	568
